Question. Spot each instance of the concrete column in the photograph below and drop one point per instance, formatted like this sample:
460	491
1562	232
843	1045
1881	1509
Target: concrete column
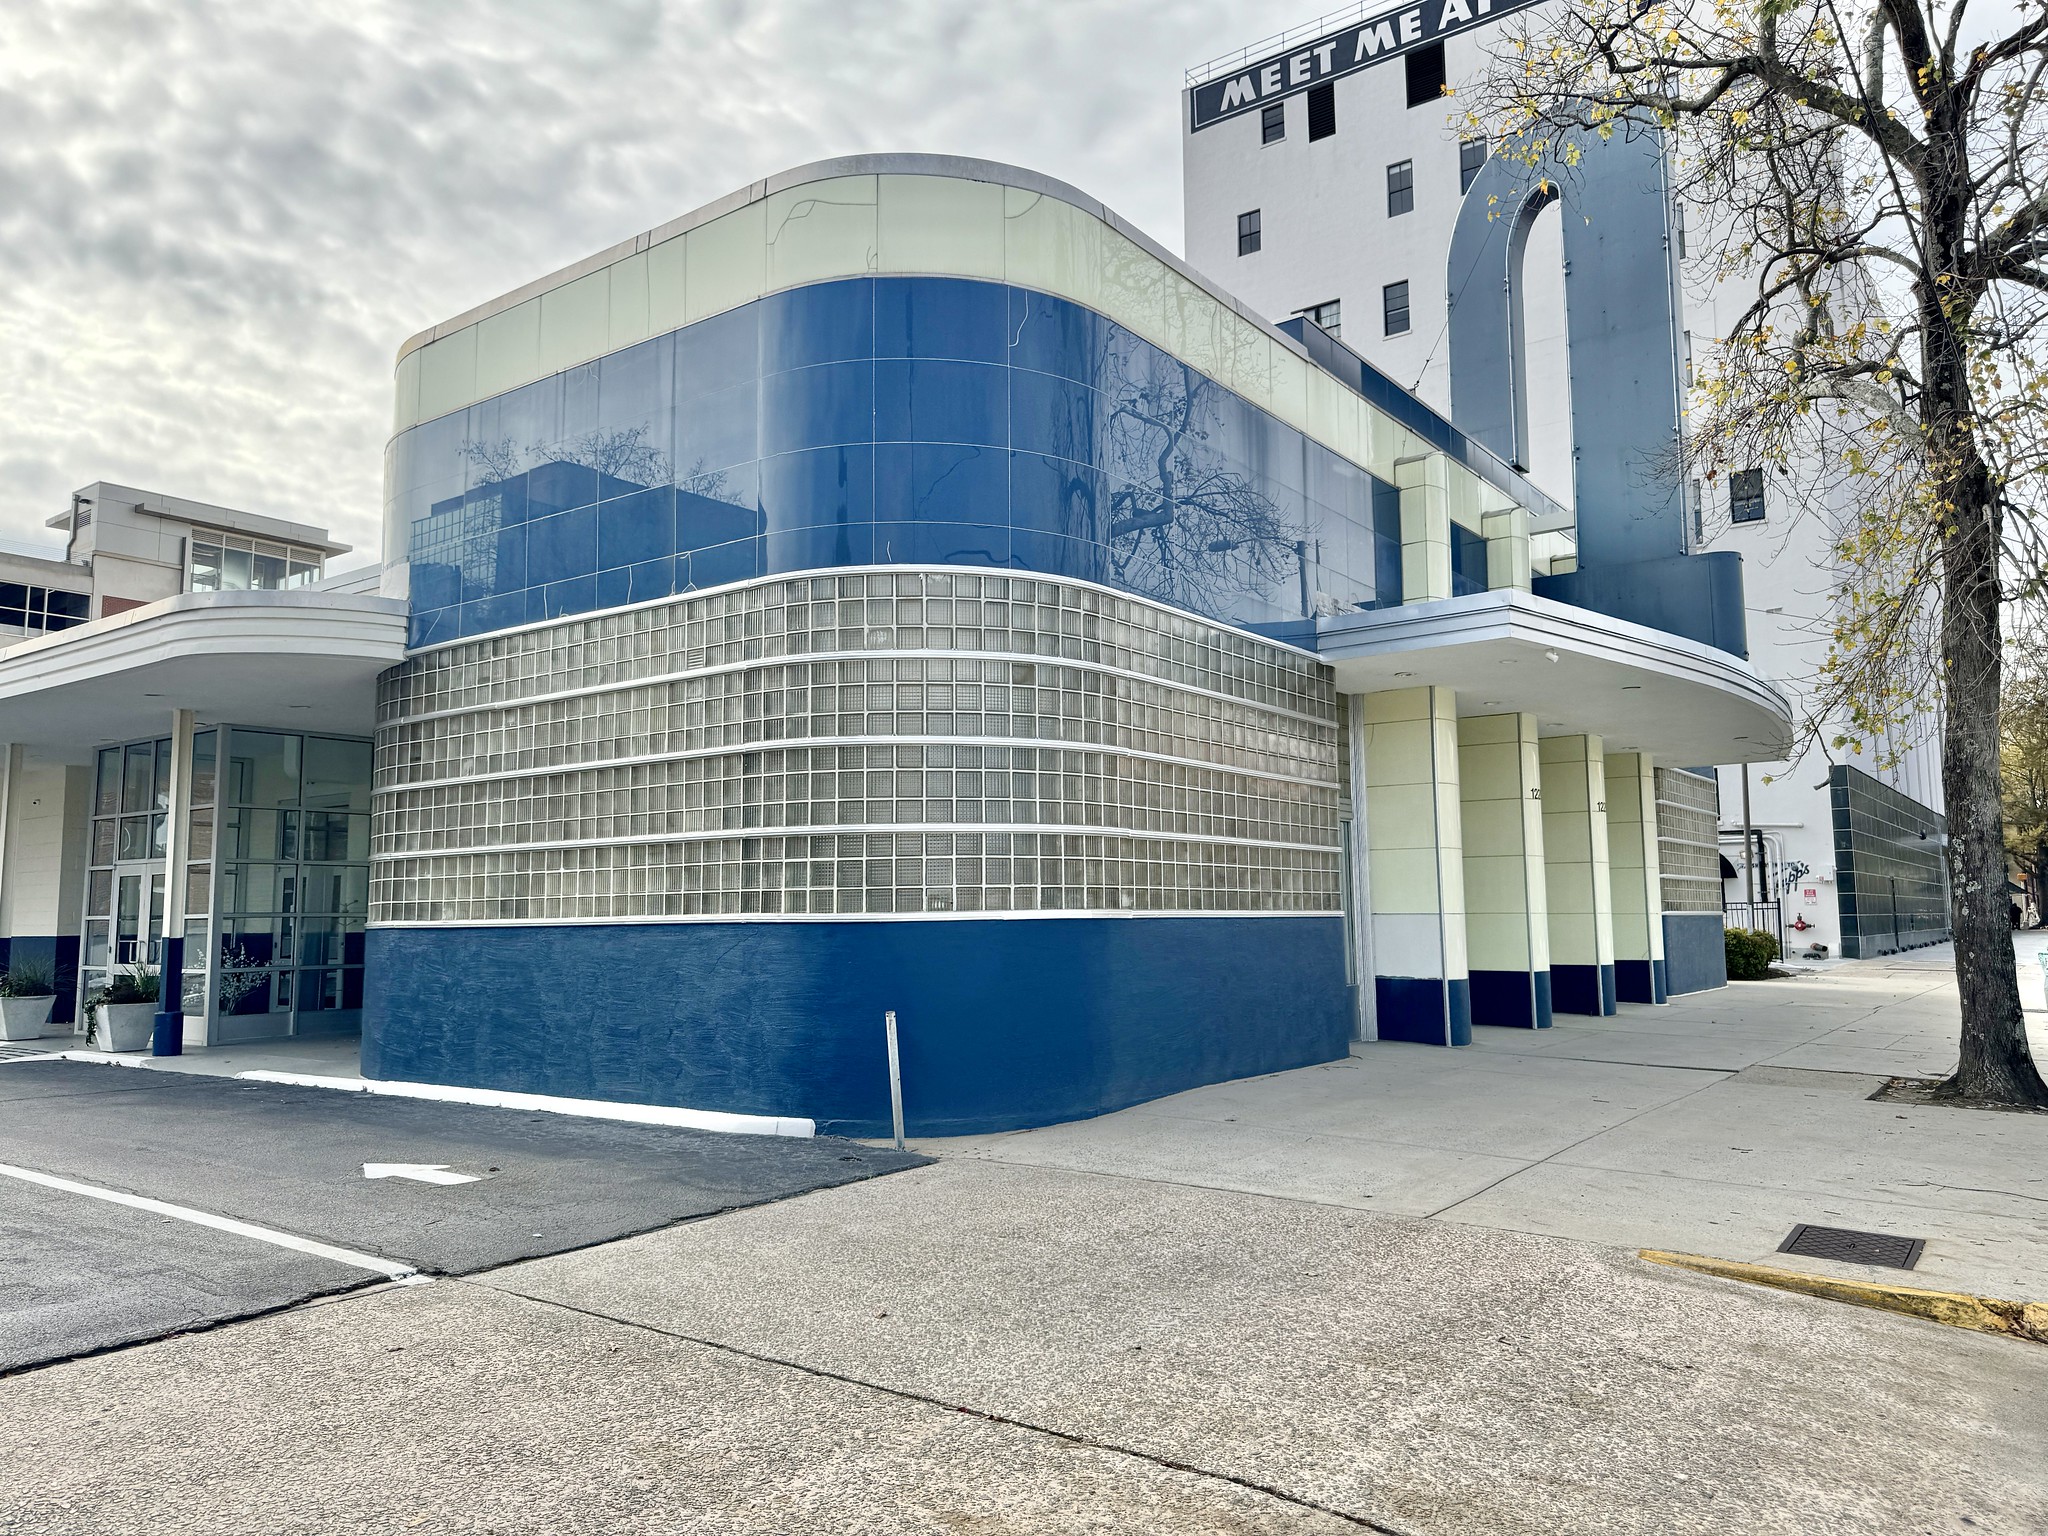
1417	867
1424	484
1507	549
1576	874
170	1008
10	775
1366	1024
1507	908
1636	876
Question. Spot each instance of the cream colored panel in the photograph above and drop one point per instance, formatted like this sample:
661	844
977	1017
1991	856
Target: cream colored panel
1498	941
1290	386
1135	291
668	286
575	320
1404	880
448	374
1195	324
629	302
1396	704
1401	815
819	231
508	349
725	262
1332	414
940	224
406	408
1050	245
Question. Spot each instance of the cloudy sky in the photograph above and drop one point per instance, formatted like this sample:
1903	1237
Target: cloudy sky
218	220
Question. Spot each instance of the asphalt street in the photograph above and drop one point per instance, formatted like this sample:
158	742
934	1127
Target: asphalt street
79	1274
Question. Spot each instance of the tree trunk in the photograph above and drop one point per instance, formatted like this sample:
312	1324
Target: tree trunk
1996	1065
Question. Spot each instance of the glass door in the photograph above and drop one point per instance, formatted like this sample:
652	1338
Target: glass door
138	931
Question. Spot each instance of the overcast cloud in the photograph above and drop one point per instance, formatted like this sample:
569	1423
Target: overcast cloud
218	221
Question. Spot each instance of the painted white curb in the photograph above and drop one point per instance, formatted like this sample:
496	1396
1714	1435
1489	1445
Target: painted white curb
594	1109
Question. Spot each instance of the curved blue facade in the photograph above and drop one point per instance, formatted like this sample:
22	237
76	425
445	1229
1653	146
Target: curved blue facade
882	421
1003	1024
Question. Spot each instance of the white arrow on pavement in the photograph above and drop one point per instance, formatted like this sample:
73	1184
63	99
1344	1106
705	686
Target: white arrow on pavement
425	1173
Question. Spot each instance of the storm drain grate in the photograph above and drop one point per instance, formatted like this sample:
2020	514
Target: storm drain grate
1850	1247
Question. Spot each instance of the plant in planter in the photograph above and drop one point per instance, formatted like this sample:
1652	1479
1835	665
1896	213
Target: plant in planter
122	1010
27	991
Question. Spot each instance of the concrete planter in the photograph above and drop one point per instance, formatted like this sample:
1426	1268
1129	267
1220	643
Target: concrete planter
23	1018
126	1026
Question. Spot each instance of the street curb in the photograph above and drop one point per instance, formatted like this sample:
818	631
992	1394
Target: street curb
1981	1314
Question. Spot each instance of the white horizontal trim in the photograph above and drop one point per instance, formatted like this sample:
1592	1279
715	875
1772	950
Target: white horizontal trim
861	829
799	658
698	918
808	743
547	1103
388	1268
1078	583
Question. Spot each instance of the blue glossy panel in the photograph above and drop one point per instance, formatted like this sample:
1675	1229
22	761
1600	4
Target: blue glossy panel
1002	1024
911	419
917	317
1468	562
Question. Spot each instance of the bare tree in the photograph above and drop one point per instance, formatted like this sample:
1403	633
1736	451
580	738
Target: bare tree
1876	174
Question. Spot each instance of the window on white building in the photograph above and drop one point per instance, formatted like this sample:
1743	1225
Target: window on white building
1400	188
1471	160
1327	316
1394	301
1273	123
1322	111
1249	233
1746	496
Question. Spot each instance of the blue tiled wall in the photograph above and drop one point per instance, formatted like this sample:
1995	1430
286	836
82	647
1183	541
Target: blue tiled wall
883	420
1003	1023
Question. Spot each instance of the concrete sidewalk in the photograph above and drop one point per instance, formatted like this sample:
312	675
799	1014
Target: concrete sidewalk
976	1348
1711	1125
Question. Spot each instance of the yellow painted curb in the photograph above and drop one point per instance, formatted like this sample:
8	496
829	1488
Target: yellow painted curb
1982	1314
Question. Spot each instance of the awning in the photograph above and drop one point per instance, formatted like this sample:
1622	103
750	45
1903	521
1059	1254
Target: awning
297	660
1577	671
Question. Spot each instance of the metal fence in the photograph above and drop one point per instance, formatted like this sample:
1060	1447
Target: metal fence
1764	916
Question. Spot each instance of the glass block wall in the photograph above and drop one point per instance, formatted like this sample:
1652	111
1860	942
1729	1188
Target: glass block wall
1890	866
933	742
1688	840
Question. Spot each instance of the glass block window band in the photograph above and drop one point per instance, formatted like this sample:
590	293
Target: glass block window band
687	796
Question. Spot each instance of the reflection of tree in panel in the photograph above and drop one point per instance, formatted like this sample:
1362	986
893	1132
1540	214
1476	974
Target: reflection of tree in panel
1182	526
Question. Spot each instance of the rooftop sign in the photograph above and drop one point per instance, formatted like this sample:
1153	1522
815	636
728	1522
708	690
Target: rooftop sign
1342	52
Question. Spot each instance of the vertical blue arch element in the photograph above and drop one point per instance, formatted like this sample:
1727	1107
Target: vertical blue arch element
1621	327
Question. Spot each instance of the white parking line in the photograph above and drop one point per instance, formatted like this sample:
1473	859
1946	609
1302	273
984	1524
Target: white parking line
404	1274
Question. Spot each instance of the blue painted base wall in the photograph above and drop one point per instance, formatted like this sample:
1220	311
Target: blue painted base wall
1582	989
1695	952
1425	1010
1640	981
58	953
1003	1024
1515	999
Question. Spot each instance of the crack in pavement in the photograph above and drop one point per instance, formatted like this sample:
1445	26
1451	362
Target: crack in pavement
1299	1501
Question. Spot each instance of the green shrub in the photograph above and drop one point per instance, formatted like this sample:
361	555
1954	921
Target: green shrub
125	984
1750	953
29	978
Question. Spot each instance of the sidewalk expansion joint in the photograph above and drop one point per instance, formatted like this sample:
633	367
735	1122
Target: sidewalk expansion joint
1299	1501
2026	1320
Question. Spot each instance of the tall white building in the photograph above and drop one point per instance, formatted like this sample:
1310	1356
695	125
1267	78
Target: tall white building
1330	183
